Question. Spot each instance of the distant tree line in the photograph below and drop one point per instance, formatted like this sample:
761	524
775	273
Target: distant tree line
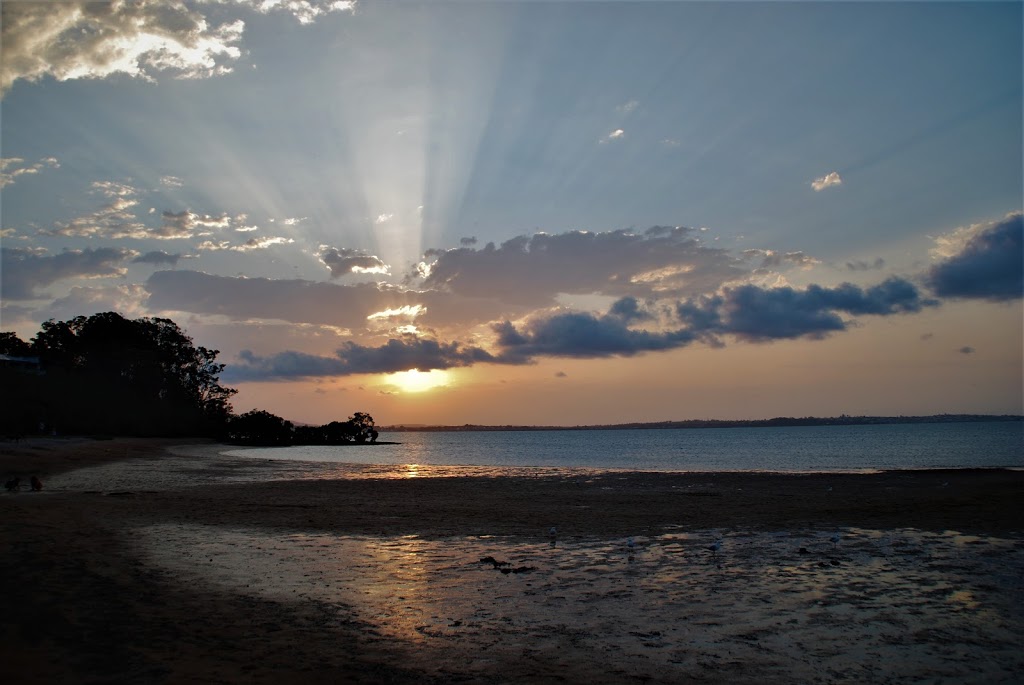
106	374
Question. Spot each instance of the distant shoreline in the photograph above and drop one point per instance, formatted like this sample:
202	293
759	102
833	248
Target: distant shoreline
778	422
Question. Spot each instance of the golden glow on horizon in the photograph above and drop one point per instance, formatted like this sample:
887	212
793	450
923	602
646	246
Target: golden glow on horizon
414	380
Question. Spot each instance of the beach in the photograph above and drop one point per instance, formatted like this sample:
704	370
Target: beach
163	561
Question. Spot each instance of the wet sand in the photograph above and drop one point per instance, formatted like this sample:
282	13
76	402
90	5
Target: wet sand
150	561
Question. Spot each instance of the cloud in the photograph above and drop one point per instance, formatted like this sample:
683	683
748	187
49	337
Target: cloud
760	314
397	354
383	218
345	260
966	349
75	40
860	265
617	134
126	299
627	107
748	313
297	301
989	263
772	258
157	257
405	311
24	271
261	243
171	181
300	301
663	261
827	181
306	11
116	219
186	222
581	335
12	167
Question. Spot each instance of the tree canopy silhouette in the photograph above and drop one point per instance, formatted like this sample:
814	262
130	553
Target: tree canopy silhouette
108	374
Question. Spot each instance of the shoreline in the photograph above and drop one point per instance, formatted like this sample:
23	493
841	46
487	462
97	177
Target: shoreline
159	561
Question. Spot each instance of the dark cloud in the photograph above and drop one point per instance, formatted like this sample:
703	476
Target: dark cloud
860	265
157	257
628	310
561	374
753	313
402	354
342	261
990	266
25	271
297	301
301	301
966	349
467	242
664	261
581	335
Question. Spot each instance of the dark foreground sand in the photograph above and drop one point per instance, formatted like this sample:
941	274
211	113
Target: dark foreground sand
140	565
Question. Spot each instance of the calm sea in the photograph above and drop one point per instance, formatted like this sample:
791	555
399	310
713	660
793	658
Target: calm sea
805	448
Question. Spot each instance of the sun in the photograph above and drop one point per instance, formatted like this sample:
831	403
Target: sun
414	380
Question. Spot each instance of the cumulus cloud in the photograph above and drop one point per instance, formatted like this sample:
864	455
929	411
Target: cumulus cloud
749	313
117	220
345	260
826	181
663	261
759	314
73	40
306	11
397	354
157	257
581	335
24	271
185	223
982	261
13	167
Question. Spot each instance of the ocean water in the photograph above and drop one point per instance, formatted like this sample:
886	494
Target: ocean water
790	449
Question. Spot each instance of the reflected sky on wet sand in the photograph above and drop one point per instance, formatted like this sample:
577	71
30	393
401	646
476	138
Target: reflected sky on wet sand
791	604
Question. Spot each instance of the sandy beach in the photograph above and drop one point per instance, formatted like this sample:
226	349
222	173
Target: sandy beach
161	561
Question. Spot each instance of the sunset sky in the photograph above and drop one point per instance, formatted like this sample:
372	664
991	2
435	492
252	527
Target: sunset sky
559	213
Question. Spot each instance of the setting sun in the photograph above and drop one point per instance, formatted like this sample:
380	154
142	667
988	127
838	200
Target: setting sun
414	380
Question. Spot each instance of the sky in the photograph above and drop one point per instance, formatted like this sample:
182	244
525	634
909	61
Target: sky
554	213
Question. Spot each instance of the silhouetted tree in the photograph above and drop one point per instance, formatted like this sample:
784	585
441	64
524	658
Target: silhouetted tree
362	427
12	345
258	427
108	374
